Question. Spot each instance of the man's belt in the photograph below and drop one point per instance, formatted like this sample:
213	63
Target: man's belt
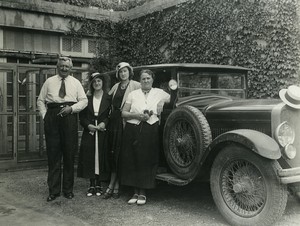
59	105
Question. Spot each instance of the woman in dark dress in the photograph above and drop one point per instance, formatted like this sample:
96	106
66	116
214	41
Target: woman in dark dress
140	149
93	156
119	92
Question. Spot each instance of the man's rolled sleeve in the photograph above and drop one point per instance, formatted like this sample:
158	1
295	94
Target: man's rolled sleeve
82	100
41	102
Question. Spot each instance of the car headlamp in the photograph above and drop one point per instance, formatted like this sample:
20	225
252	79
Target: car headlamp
290	151
285	134
173	84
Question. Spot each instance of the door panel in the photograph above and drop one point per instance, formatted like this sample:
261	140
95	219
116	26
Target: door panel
6	114
31	144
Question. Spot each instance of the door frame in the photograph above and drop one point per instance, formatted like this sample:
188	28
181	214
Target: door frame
13	164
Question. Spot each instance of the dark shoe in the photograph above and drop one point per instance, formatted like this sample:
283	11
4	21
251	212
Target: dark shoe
98	191
69	195
52	197
116	194
108	193
90	192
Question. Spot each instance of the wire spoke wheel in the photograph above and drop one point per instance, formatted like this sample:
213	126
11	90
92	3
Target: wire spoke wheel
182	143
186	137
243	188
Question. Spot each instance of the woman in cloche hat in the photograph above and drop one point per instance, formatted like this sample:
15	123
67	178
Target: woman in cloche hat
119	92
93	156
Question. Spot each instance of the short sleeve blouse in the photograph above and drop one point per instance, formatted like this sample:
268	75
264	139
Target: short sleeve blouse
140	102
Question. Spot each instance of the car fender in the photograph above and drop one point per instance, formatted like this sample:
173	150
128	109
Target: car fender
256	141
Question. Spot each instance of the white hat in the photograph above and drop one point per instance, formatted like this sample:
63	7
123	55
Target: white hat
291	96
122	65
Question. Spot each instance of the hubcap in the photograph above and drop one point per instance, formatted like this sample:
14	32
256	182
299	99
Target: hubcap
244	185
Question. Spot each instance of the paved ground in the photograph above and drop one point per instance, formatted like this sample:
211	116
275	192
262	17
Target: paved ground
23	203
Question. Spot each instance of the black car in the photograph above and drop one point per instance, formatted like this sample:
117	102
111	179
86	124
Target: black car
246	146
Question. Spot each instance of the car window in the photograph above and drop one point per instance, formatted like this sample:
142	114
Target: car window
162	77
193	82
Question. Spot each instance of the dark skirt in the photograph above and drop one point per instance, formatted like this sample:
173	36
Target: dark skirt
115	138
86	158
139	156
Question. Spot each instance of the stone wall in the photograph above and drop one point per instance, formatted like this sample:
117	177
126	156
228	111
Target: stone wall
48	16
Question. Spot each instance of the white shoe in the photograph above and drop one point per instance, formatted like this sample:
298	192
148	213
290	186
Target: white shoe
134	199
90	192
141	200
98	191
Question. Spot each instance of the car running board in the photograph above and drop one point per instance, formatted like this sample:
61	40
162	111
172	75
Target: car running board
172	179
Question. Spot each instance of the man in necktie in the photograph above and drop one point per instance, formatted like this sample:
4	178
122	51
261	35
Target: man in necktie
61	98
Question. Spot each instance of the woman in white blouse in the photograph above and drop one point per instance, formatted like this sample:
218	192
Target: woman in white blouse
140	153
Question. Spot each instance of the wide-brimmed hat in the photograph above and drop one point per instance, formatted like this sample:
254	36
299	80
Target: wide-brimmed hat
291	96
122	65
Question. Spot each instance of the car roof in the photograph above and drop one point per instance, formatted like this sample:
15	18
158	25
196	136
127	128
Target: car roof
186	65
193	65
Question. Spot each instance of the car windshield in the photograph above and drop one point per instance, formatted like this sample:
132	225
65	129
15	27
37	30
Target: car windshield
222	83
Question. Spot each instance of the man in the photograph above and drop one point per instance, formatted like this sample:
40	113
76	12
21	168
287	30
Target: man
61	97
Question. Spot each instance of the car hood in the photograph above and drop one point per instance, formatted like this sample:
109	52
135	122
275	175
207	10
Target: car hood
225	114
213	103
244	105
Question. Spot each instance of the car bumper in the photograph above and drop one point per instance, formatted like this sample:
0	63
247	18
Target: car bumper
288	176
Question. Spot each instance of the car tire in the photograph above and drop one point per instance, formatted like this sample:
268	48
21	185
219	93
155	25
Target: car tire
186	136
245	187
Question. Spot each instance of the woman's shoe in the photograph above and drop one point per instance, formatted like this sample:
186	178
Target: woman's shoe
108	193
141	200
90	192
116	194
98	191
134	199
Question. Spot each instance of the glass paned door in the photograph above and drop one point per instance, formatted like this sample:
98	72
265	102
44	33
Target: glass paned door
31	142
6	114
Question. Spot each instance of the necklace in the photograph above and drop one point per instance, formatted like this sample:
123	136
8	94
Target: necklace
124	86
146	91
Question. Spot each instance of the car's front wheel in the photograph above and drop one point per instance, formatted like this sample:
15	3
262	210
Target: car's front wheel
245	187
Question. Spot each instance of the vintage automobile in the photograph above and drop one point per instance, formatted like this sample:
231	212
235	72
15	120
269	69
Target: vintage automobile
247	146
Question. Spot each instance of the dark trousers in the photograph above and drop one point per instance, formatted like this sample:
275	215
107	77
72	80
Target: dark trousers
61	135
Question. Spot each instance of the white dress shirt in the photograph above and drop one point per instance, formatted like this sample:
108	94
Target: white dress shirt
74	93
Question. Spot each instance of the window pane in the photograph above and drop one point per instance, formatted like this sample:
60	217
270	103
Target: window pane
92	46
6	142
76	45
66	44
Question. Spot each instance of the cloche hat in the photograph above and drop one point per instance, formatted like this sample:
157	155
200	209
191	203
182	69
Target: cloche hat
291	96
94	76
105	79
122	65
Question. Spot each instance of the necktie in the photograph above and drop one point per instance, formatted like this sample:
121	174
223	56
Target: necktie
62	90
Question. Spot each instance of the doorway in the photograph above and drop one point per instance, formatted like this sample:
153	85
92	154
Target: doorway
22	142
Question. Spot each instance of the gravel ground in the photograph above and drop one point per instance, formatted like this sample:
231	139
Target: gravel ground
23	202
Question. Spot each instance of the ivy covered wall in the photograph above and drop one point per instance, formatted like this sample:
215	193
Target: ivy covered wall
259	34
